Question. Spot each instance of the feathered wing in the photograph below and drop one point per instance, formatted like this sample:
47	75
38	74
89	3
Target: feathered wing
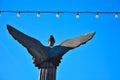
35	48
75	42
69	44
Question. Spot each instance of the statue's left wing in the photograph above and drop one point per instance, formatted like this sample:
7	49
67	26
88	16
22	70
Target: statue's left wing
35	47
22	38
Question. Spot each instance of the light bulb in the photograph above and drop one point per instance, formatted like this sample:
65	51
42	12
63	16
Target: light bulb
77	15
97	15
18	14
38	14
116	15
0	13
57	15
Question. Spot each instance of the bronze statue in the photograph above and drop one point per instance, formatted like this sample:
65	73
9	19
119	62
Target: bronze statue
47	58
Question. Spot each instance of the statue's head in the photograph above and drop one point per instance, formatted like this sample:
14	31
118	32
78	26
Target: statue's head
51	41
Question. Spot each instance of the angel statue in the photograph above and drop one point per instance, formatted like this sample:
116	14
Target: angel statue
47	58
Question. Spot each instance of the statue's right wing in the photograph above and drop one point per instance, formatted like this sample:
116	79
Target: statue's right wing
77	41
35	48
69	44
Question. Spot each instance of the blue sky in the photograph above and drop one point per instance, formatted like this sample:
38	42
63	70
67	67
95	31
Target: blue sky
99	59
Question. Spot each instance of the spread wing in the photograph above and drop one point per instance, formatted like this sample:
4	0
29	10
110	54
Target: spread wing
76	42
69	44
34	47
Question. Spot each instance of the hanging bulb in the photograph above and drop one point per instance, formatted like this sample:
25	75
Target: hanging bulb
57	15
77	15
116	15
97	15
38	14
18	14
0	13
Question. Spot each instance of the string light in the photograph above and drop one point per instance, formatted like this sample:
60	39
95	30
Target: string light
97	15
59	12
77	15
57	15
38	14
18	14
116	15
